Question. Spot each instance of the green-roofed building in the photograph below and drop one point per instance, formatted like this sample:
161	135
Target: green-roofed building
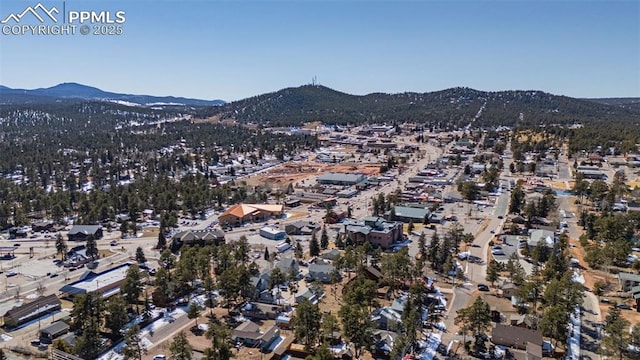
407	214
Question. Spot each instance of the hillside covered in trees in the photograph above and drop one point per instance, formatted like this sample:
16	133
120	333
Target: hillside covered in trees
456	106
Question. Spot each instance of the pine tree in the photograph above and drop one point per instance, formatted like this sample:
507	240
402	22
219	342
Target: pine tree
61	246
493	272
92	246
180	348
324	238
162	240
314	246
193	312
266	253
140	258
132	348
298	251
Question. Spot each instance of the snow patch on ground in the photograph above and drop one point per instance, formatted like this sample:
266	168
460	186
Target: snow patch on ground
573	342
432	343
577	277
145	333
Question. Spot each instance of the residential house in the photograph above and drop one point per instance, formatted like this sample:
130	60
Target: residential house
545	237
386	318
383	342
373	273
516	337
301	228
320	272
628	281
307	294
288	265
508	290
261	282
262	311
248	333
331	254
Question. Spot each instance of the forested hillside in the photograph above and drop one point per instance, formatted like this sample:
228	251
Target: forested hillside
456	106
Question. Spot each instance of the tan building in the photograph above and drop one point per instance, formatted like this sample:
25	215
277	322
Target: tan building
242	213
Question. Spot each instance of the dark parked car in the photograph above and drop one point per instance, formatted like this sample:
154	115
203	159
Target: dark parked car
623	306
483	287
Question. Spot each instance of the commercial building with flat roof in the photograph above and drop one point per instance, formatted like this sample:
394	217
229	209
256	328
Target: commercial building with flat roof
24	313
272	233
341	179
107	282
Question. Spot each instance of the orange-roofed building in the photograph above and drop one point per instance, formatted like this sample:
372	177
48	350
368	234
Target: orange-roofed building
242	213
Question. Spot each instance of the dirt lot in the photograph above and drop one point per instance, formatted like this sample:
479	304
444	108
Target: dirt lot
290	173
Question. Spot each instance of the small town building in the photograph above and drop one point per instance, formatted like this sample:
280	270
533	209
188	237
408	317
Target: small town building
628	281
272	233
374	230
341	179
242	213
24	313
301	228
199	237
83	232
53	331
106	282
408	214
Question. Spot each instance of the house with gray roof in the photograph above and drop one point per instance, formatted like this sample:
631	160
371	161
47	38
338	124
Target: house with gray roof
83	232
286	265
300	228
51	332
248	333
320	272
545	237
628	281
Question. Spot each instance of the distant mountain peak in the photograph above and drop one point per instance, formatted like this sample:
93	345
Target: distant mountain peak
75	90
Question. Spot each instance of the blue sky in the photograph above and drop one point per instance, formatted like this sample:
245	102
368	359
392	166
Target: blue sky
235	49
